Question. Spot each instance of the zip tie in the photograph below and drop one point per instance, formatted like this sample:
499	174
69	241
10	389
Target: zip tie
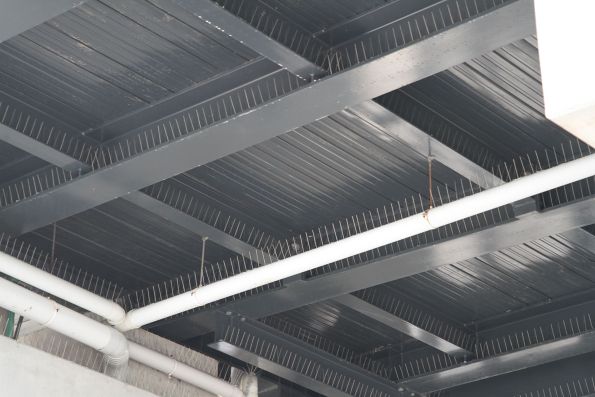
426	216
171	373
53	315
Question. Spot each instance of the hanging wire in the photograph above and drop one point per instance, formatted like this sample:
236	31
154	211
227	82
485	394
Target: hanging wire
202	260
53	242
430	189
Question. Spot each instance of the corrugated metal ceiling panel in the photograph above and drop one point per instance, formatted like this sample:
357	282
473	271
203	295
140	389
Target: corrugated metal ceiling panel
495	101
107	58
126	244
334	167
499	282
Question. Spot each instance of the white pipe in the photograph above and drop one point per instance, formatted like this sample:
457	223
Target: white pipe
247	382
62	289
182	371
85	330
103	338
65	321
250	385
472	205
109	341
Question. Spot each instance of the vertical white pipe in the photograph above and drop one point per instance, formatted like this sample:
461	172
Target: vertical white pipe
65	321
246	381
62	289
472	205
250	385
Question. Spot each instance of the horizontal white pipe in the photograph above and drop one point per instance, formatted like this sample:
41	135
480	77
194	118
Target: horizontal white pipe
510	192
65	321
182	371
472	205
62	289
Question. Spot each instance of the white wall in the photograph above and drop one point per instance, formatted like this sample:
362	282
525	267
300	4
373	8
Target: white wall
26	371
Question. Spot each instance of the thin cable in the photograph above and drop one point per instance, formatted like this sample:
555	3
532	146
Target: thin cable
53	242
430	193
202	260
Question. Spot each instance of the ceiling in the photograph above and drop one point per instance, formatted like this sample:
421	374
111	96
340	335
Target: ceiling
108	74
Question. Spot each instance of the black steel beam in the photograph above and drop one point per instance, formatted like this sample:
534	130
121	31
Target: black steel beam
17	16
140	199
424	144
503	364
301	292
194	225
411	328
296	361
551	341
36	148
253	38
515	346
405	131
371	78
368	110
566	317
572	377
245	73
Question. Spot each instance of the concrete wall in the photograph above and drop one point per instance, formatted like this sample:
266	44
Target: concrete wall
26	371
135	374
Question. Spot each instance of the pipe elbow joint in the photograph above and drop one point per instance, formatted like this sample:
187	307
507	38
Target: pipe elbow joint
117	316
125	325
116	350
